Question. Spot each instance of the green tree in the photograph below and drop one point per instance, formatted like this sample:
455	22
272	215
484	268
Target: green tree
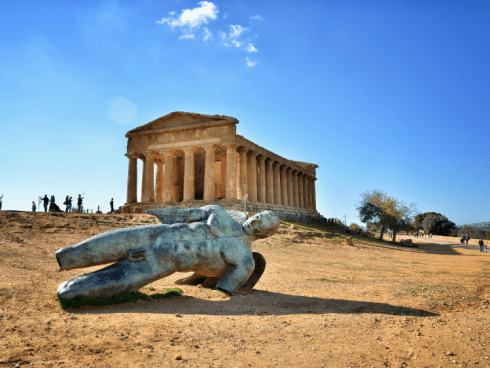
354	226
419	219
387	212
438	225
472	232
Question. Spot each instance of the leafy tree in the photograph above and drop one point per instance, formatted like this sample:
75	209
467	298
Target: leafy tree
438	225
419	219
371	226
385	211
472	232
354	226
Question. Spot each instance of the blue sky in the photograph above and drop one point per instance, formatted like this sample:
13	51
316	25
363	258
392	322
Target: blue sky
390	95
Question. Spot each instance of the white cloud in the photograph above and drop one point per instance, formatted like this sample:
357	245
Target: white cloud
250	48
207	34
256	17
237	30
250	63
236	43
193	18
186	36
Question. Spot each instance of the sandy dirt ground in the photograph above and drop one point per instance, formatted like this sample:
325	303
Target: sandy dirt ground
320	303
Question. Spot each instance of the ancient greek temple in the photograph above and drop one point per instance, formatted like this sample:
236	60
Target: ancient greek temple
194	159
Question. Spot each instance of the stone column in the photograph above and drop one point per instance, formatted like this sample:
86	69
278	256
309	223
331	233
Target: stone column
277	183
301	187
223	175
143	181
132	179
284	186
231	187
159	182
295	188
313	193
209	171
168	182
306	192
269	183
252	176
261	181
289	175
189	174
149	175
310	192
243	177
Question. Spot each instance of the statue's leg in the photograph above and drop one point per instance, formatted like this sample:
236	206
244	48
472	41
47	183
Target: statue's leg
260	263
258	271
126	275
238	273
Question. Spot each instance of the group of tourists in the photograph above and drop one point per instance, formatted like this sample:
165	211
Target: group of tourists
464	239
53	207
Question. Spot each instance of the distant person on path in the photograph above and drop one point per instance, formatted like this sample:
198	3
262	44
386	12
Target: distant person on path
66	203
112	205
51	204
466	238
33	207
45	202
1	201
482	245
80	200
69	203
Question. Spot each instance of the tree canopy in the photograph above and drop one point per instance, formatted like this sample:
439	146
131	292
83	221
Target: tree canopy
438	224
385	211
419	219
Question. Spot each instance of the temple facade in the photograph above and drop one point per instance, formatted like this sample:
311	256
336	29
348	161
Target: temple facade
194	159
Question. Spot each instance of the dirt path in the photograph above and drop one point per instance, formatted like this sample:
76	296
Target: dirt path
319	303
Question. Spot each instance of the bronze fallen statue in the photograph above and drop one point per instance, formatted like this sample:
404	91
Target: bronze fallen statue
213	244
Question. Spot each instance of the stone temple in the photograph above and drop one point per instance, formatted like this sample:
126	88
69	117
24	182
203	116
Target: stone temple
190	160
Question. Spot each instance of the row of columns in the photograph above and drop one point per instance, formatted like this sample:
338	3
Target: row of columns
242	172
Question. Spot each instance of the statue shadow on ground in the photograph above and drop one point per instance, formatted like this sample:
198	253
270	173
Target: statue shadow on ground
247	302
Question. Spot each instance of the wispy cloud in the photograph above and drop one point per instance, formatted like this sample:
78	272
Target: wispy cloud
237	30
191	19
193	23
251	48
207	35
250	63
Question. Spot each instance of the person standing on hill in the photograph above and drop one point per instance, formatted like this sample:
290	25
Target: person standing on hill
482	244
69	203
66	203
112	205
33	207
79	202
1	197
45	202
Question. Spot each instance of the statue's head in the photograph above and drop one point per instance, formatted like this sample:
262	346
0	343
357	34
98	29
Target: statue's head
261	225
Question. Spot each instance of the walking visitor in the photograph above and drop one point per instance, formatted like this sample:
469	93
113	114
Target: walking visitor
45	202
33	207
79	202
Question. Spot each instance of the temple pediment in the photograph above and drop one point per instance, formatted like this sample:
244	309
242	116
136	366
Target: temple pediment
182	120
